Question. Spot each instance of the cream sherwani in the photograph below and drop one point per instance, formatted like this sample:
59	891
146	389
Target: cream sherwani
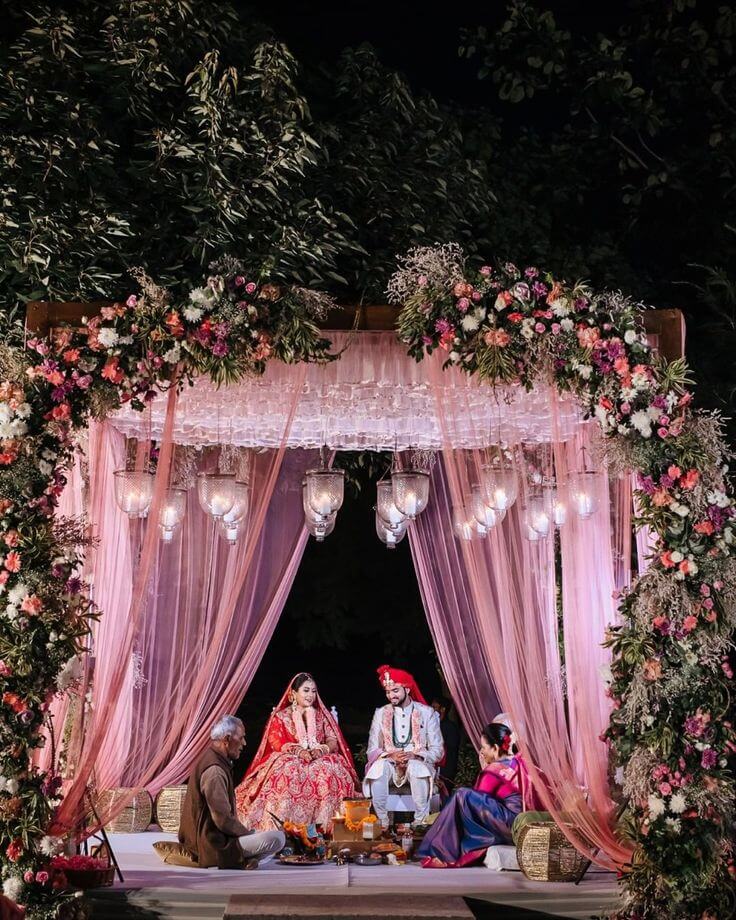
414	729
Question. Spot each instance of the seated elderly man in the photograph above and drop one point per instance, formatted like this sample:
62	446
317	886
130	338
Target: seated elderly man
210	831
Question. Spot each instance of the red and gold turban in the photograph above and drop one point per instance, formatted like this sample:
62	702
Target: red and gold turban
389	676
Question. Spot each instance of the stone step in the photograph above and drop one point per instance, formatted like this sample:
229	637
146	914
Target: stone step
340	907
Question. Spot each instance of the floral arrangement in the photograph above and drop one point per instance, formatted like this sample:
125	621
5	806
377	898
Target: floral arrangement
226	329
671	677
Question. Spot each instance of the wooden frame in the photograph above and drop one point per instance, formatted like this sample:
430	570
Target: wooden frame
41	316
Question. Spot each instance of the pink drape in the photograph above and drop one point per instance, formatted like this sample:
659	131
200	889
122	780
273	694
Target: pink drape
439	564
511	584
102	759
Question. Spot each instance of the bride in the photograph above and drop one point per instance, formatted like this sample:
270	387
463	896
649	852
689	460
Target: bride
303	768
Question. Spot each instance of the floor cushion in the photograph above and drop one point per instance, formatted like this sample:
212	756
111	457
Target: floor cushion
174	854
501	858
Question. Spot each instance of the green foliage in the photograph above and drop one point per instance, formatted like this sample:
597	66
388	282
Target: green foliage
166	134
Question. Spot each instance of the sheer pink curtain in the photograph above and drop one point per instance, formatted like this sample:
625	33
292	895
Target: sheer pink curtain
439	564
115	674
621	529
194	577
510	582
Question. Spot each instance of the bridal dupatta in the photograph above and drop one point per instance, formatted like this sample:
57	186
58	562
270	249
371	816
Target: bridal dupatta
281	783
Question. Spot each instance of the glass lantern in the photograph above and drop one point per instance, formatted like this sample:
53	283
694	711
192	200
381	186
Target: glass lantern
483	514
134	491
501	488
410	491
325	491
172	512
391	538
465	527
386	508
538	513
321	529
237	513
216	493
584	499
229	532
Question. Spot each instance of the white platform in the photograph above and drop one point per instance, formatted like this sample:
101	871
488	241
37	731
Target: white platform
144	871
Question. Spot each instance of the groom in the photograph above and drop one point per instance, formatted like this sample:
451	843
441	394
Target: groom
404	745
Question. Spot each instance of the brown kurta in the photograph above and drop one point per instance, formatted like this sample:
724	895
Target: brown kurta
209	828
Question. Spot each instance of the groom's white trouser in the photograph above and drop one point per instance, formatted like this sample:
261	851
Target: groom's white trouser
421	787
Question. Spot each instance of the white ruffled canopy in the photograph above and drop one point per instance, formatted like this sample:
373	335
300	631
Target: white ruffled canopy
374	397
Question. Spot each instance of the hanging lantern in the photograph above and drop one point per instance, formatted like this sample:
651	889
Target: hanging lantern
583	492
466	527
530	534
216	493
321	529
410	491
483	514
229	531
325	491
172	512
386	508
390	537
501	487
237	513
559	510
538	512
134	491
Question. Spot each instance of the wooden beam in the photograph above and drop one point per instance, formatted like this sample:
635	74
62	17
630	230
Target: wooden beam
667	325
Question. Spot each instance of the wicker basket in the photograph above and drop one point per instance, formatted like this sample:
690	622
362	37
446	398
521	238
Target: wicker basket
90	878
168	808
546	855
134	818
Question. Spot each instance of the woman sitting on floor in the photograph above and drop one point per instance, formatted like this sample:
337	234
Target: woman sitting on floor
481	817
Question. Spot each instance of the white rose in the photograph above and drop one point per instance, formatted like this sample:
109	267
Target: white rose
630	336
500	303
192	314
107	337
479	313
676	556
656	806
678	803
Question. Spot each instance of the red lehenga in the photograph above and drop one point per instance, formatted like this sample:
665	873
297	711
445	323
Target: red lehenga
281	782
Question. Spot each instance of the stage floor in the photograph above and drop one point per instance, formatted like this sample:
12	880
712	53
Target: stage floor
146	876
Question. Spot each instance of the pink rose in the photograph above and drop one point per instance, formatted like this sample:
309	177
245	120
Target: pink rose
42	877
665	789
239	280
28	876
463	305
250	287
556	328
539	327
132	301
485	270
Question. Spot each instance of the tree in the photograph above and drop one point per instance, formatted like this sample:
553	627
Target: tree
165	133
611	149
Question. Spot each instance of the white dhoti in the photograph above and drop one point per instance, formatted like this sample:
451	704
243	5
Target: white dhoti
382	774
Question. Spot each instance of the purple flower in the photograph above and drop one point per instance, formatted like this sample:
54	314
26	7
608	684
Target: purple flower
521	290
717	516
442	326
531	273
659	402
709	759
58	571
74	585
581	303
540	290
666	481
221	330
220	349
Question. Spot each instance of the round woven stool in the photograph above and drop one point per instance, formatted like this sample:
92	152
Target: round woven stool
134	818
546	855
168	808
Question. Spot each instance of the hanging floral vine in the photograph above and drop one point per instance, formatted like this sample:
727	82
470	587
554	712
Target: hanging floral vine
670	735
227	329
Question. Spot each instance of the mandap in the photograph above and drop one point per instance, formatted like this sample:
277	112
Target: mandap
163	463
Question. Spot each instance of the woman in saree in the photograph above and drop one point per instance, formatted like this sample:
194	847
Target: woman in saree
475	819
303	768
